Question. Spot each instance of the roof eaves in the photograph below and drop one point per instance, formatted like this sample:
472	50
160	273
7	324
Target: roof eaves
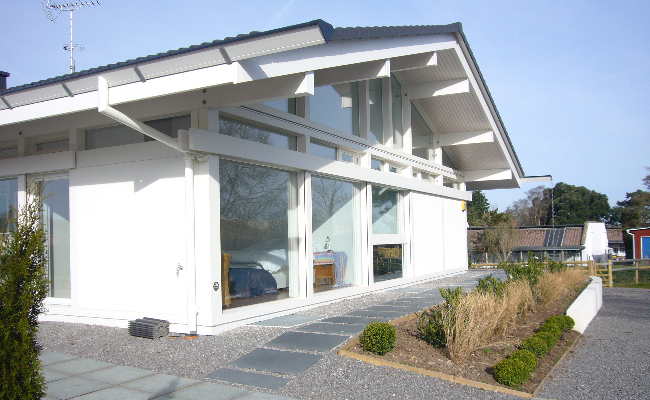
327	31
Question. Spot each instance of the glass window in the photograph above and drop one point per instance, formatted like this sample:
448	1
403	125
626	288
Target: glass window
52	145
8	199
259	233
120	135
386	262
385	210
376	133
322	151
254	133
396	90
9	152
56	218
376	164
286	105
446	160
337	106
336	233
349	157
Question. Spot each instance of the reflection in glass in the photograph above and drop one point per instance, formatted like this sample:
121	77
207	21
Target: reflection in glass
52	145
56	220
9	152
8	200
336	233
286	105
120	135
255	133
387	262
259	232
376	164
419	128
376	133
396	90
322	151
337	106
385	212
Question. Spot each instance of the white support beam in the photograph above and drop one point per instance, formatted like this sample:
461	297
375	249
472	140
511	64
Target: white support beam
488	175
353	72
440	88
532	179
414	61
458	138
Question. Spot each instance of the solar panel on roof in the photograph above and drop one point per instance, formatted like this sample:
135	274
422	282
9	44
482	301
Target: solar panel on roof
554	237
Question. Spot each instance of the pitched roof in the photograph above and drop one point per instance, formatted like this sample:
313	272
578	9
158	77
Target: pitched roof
614	235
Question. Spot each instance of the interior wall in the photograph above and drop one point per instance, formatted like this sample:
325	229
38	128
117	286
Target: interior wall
130	233
427	240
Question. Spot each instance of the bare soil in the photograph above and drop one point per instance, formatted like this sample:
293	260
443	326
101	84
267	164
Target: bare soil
412	350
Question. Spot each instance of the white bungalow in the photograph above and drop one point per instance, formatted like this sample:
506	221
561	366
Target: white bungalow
255	176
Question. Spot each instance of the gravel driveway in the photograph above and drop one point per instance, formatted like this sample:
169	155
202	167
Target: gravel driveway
613	347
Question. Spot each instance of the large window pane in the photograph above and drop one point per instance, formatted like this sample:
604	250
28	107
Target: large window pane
120	134
8	199
259	233
322	151
336	233
336	106
254	133
56	219
286	105
387	262
376	133
386	217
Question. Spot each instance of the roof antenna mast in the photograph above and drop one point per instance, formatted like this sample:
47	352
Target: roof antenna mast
52	12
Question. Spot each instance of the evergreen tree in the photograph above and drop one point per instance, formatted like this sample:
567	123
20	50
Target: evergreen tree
477	208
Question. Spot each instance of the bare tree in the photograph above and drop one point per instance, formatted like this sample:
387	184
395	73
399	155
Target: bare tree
531	210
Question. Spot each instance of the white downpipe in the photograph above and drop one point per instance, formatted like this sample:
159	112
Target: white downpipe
189	238
104	108
189	158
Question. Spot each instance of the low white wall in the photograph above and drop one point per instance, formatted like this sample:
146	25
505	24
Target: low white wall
586	306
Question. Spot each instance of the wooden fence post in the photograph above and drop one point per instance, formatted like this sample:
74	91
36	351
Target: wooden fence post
636	277
611	275
590	265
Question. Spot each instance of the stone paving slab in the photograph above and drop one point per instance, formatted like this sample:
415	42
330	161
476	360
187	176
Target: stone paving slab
73	387
78	366
159	384
410	289
51	376
416	304
307	341
117	374
248	378
324	327
116	393
377	314
354	320
286	321
208	391
277	361
390	308
50	357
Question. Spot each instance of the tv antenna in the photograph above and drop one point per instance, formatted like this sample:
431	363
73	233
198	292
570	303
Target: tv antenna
52	12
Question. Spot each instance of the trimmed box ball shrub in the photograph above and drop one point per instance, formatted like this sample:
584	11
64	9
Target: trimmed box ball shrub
535	345
548	337
378	338
511	372
564	322
552	329
527	358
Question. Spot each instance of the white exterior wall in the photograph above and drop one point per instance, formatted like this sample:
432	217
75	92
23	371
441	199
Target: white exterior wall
128	235
455	235
427	235
595	240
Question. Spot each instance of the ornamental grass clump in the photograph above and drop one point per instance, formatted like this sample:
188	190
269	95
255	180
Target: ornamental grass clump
378	338
23	287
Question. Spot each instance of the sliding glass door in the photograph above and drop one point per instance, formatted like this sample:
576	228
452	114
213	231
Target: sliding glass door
56	220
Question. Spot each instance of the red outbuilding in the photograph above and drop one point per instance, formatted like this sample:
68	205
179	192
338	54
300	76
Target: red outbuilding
641	242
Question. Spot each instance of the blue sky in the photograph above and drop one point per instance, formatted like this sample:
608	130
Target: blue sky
569	78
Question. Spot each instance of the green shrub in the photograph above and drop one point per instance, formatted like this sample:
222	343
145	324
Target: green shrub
564	322
23	287
556	266
553	329
547	337
531	271
378	338
535	345
511	372
432	331
527	358
490	284
452	296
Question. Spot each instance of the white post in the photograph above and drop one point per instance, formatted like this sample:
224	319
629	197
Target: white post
189	242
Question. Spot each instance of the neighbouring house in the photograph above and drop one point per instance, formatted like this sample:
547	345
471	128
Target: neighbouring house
640	242
561	243
254	176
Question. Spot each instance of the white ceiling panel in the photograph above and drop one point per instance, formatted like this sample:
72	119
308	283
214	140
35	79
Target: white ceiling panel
448	68
473	157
